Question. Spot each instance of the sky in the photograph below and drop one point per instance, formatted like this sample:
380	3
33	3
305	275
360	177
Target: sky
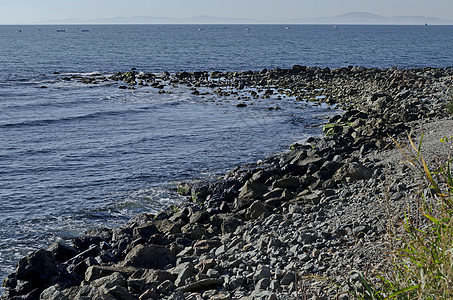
34	11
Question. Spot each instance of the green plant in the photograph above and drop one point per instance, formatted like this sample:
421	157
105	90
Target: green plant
423	265
446	139
173	208
183	189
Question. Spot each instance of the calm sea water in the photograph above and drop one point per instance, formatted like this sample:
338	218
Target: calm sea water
76	156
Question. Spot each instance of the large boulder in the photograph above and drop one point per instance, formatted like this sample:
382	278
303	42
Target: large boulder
150	257
253	190
62	251
145	231
351	172
256	210
38	267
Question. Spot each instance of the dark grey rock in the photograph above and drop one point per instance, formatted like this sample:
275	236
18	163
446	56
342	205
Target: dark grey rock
352	172
40	266
145	231
149	257
253	190
62	251
201	285
52	293
256	210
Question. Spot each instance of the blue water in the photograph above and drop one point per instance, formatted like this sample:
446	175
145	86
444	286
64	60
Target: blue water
76	156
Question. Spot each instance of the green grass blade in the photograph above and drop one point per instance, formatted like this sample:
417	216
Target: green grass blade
404	291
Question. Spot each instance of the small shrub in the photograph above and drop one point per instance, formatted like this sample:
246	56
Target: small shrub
423	265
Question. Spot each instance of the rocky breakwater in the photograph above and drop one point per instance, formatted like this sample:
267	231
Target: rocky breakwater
289	225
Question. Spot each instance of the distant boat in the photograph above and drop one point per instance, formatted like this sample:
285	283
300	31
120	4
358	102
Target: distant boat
61	30
19	30
246	29
287	28
426	24
85	30
334	26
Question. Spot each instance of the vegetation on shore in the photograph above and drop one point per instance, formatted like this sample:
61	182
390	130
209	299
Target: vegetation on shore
422	259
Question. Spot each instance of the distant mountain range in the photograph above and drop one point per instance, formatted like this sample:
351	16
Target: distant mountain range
349	18
369	18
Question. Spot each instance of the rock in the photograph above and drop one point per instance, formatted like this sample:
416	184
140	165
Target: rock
168	227
213	273
145	231
96	272
139	220
149	257
219	296
144	279
360	231
262	272
166	287
287	278
201	217
202	285
194	231
206	264
102	285
306	238
274	193
229	224
149	295
310	198
253	190
187	270
84	243
314	159
352	172
204	246
152	276
52	293
263	284
236	282
40	267
121	293
290	182
62	251
256	210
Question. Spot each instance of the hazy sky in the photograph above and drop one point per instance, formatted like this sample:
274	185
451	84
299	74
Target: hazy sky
26	11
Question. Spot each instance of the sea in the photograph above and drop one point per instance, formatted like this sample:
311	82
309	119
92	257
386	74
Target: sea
76	156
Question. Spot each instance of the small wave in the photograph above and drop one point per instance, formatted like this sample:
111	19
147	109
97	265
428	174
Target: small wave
151	199
94	73
45	122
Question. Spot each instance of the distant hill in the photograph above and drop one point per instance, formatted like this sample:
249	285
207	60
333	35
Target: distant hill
349	18
369	18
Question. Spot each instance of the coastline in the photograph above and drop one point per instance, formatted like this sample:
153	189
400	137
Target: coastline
315	210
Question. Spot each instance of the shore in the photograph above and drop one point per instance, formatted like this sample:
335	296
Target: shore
292	224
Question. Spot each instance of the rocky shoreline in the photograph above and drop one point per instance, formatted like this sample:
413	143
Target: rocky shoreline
297	224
